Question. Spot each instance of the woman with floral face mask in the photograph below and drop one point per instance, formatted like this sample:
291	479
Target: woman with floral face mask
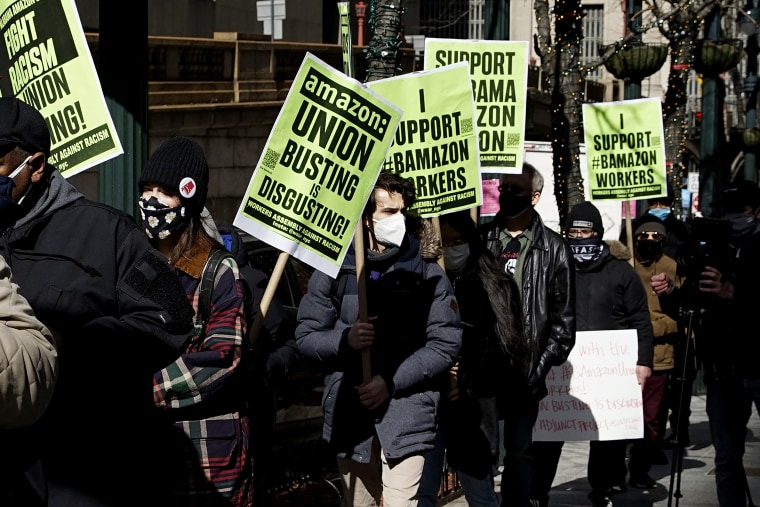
200	393
491	370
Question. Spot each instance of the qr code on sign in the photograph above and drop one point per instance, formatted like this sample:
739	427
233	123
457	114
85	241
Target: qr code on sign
513	139
270	159
467	125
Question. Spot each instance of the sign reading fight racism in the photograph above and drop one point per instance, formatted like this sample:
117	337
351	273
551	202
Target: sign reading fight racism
625	149
47	64
319	165
435	143
499	80
594	395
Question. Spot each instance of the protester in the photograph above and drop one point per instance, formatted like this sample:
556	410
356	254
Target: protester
275	352
650	262
676	245
491	369
118	314
203	392
28	374
541	263
381	429
28	359
609	295
680	381
727	348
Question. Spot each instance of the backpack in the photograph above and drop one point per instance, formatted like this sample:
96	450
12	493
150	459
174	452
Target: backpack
208	275
274	349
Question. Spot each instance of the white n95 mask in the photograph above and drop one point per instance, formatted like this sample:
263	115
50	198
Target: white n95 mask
390	231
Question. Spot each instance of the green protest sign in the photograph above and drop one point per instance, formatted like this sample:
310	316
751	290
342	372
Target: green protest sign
625	150
435	143
499	79
319	165
47	64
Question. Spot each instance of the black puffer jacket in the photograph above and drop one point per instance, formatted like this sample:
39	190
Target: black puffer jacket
119	314
610	295
548	298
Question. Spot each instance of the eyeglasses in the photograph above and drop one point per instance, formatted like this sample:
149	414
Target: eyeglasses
580	233
514	189
642	236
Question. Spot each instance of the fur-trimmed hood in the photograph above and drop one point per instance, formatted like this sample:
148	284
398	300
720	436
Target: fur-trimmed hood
430	241
618	249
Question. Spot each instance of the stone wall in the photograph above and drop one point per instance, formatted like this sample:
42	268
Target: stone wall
232	136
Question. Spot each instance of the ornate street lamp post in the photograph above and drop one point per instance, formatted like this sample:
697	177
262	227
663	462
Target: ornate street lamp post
361	10
748	24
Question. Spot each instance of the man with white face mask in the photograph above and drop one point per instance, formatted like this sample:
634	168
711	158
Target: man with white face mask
381	430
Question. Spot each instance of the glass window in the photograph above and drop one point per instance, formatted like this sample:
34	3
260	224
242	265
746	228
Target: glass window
593	28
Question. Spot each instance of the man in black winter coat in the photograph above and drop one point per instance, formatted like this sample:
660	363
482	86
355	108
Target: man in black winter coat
609	296
118	313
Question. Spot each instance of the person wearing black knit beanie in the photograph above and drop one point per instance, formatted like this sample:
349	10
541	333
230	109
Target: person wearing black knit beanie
200	392
608	295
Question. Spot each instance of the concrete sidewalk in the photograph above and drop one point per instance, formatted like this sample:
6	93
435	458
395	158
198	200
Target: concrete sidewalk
696	487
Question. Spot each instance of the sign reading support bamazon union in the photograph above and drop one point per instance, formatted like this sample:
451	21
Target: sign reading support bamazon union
499	80
625	149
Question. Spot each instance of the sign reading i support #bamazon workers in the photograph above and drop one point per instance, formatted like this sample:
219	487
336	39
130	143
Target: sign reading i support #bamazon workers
435	143
625	149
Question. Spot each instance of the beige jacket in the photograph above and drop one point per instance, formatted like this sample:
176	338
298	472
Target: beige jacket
28	359
662	324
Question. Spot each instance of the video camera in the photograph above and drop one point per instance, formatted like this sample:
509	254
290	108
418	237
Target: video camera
709	245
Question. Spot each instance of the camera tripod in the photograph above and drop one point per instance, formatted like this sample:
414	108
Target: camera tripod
676	463
676	467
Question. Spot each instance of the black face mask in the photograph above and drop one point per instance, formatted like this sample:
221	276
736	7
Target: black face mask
586	250
512	205
649	250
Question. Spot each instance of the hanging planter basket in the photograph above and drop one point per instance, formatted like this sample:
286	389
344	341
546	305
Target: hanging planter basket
751	137
637	61
714	57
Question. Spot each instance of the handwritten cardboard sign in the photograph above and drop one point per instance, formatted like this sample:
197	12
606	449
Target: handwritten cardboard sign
594	395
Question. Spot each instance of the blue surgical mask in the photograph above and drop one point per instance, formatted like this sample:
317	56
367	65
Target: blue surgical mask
741	223
6	188
661	213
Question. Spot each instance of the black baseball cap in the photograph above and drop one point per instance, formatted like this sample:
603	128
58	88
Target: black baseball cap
23	126
738	195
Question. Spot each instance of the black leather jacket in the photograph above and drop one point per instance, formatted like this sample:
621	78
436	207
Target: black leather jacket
548	298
